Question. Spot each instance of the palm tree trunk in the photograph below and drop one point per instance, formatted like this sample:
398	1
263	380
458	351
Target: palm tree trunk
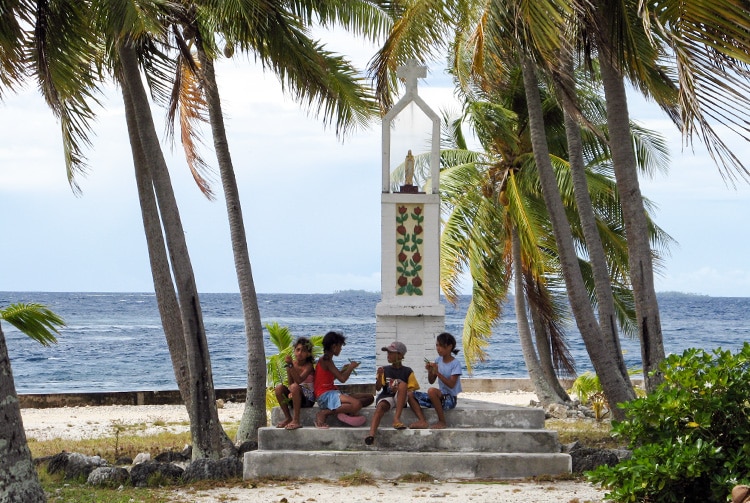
604	298
207	434
543	390
636	225
541	335
166	298
19	482
254	415
604	357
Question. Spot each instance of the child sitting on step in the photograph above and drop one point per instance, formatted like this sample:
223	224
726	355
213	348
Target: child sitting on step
447	371
329	399
300	373
396	384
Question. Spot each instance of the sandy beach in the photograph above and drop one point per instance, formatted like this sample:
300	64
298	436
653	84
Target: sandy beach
96	422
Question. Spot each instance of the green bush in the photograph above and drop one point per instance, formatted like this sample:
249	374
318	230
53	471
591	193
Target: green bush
690	437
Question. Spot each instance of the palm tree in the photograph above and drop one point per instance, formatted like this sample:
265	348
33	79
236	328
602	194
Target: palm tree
327	83
18	478
707	45
493	197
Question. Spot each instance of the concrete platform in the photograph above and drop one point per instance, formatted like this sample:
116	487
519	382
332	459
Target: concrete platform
467	414
389	439
391	465
483	441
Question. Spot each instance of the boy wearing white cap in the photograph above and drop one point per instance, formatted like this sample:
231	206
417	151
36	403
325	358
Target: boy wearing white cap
396	384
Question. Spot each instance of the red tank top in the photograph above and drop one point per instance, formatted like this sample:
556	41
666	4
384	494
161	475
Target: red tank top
323	381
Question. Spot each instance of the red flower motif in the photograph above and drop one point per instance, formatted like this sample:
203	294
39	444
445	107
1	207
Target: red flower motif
402	209
418	210
402	281
417	281
417	258
418	229
402	257
401	229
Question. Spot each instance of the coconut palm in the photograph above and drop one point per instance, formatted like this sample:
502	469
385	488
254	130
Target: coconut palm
707	44
493	199
278	37
18	478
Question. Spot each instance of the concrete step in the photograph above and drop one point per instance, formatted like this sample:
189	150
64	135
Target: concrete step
467	414
497	440
394	464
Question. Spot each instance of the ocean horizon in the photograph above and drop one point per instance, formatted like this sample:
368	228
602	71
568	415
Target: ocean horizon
113	341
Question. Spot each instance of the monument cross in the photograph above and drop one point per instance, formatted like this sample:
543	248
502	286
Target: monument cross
411	72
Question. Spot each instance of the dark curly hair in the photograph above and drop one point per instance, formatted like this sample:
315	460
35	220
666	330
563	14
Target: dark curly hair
332	338
447	339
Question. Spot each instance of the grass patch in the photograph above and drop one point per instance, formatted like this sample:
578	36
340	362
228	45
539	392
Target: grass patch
589	433
358	478
416	477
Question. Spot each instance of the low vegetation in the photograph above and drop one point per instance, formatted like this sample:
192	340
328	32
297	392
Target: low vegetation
690	437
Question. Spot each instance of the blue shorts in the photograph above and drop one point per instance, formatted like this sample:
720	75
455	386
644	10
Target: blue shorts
448	401
330	400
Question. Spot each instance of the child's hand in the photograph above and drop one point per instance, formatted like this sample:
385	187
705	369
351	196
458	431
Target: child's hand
379	372
288	359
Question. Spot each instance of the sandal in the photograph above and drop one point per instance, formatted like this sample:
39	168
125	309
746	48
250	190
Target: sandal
293	426
369	440
351	420
398	425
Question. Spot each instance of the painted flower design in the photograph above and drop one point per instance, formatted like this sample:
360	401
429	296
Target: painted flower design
409	230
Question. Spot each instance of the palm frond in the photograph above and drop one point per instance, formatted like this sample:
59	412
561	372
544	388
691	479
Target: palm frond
35	320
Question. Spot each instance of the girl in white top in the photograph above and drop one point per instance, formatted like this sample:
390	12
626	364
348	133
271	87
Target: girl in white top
446	370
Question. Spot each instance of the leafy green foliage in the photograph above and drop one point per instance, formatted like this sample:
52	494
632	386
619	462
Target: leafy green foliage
35	320
690	437
282	338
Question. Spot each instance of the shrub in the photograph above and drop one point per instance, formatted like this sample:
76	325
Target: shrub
690	437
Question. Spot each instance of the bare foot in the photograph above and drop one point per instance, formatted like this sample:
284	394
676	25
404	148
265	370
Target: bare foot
293	425
320	420
284	423
419	425
437	426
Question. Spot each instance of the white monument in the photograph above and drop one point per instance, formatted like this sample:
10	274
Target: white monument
410	310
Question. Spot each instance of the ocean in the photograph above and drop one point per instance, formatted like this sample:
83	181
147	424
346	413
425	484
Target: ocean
114	341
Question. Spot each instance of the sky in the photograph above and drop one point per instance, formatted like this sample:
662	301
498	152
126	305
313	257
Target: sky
310	200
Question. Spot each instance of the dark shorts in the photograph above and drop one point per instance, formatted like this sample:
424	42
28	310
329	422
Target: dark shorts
448	401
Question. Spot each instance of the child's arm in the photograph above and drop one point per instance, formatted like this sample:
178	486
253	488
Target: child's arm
341	375
379	379
299	376
448	381
431	371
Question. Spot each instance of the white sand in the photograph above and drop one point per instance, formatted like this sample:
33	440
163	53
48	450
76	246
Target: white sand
93	422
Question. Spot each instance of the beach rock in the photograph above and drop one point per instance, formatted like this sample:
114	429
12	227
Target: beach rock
586	458
75	465
124	461
141	457
557	410
171	456
247	446
213	469
142	474
109	476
